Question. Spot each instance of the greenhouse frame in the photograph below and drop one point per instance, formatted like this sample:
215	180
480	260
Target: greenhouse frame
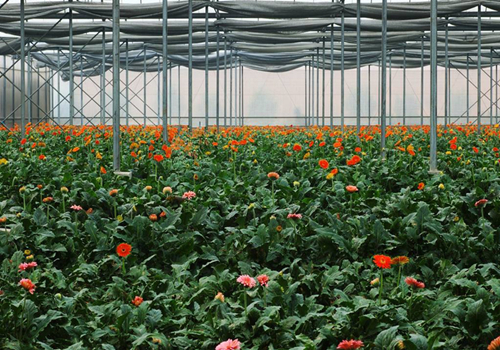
81	40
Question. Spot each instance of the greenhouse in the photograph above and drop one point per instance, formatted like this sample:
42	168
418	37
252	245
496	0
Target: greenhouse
235	174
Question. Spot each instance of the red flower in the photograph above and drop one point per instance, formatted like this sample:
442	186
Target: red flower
412	282
323	163
263	280
357	149
495	344
123	249
137	301
273	176
453	146
354	160
153	217
103	170
350	344
481	202
28	285
382	261
421	186
23	141
475	149
158	157
297	147
41	157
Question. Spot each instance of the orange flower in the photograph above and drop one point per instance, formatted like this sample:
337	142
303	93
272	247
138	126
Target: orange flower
334	171
153	217
354	160
351	189
41	157
123	249
103	170
382	261
421	186
158	157
453	146
323	163
357	149
297	147
495	344
273	176
113	192
137	301
400	260
47	199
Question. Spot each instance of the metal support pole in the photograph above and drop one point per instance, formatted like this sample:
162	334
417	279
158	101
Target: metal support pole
331	75
369	94
317	86
231	87
434	55
312	91
422	76
71	76
236	110
358	67
116	85
390	89
217	83
144	90
242	96
342	73
170	114
4	95
164	72
206	67
225	82
158	89
404	85
179	92
190	73
126	83
23	77
30	85
81	90
103	82
468	89
491	87
479	69
384	78
305	94
323	100
446	65
496	93
14	92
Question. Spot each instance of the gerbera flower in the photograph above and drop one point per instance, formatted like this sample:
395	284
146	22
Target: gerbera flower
76	207
189	195
350	344
137	301
123	249
229	345
220	297
351	189
495	344
323	163
273	176
481	202
421	186
113	192
158	157
294	216
412	282
382	261
28	285
247	281
400	260
263	280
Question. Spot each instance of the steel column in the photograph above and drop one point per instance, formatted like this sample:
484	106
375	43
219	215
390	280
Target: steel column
323	99
331	75
342	72
103	81
434	56
164	72
23	77
404	85
384	78
446	65
358	66
225	82
206	67
116	85
217	83
422	83
479	69
71	76
190	73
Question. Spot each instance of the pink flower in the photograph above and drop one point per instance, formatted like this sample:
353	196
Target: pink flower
263	280
229	345
27	284
247	281
350	344
412	282
189	195
481	202
25	266
294	216
76	207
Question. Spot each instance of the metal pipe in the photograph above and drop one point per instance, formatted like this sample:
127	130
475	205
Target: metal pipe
217	83
144	90
231	87
179	93
30	83
404	85
236	109
71	76
434	55
165	103
225	82
312	91
384	78
81	91
390	89
446	66
358	67
242	96
491	87
317	86
158	89
468	88
127	83
342	72
4	95
23	81
170	88
190	73
479	68
323	99
422	83
305	94
331	75
103	82
206	67
116	85
369	94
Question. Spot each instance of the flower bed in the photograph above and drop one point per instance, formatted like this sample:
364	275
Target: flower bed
249	238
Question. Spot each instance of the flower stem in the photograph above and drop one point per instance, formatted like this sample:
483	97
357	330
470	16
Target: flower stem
123	266
245	297
381	288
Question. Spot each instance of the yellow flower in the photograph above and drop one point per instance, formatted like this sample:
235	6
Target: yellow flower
3	161
156	340
375	281
148	188
98	156
441	186
459	148
208	153
27	252
448	153
30	257
468	162
119	218
64	189
296	184
22	189
255	161
251	206
456	218
307	155
401	345
329	176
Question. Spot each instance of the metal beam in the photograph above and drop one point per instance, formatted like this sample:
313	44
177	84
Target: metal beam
116	85
434	92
